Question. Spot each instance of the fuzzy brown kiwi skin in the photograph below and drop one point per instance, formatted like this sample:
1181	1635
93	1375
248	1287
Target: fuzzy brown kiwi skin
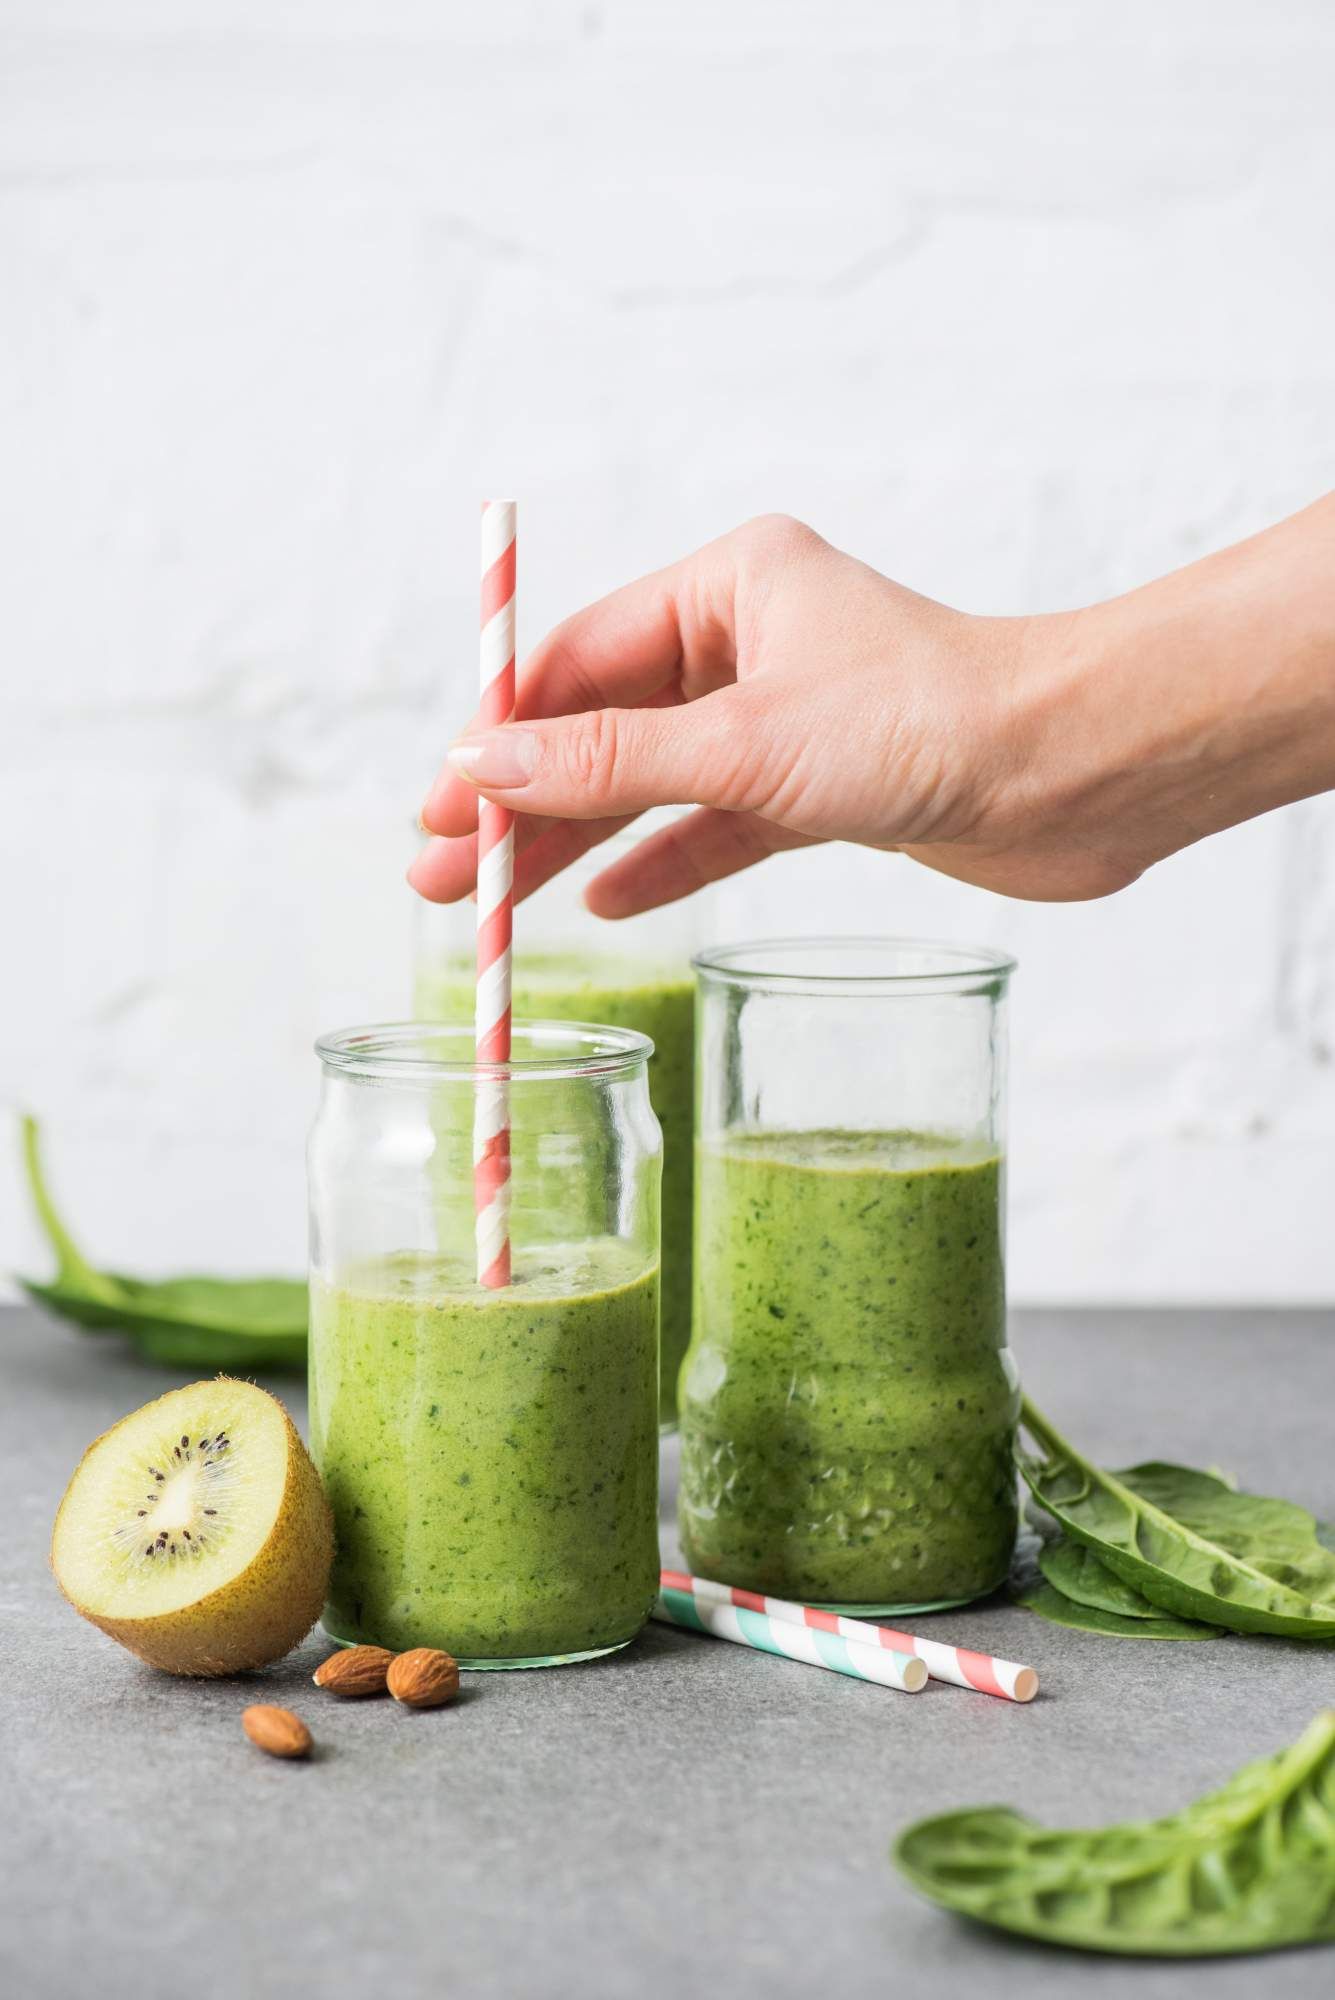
261	1614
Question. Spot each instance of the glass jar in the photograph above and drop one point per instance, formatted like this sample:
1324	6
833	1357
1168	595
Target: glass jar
491	1456
635	973
848	1399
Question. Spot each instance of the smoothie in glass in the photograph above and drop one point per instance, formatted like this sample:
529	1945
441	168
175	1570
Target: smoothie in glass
656	1001
848	1399
491	1456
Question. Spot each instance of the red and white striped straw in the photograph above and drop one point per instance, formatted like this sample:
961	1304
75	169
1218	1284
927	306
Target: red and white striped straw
955	1664
495	905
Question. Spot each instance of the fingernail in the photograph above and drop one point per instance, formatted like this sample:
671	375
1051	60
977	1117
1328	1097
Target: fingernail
501	757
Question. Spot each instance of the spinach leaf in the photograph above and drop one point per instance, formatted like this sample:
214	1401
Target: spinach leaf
1249	1868
1097	1602
235	1324
1078	1574
1186	1541
1049	1603
1279	1537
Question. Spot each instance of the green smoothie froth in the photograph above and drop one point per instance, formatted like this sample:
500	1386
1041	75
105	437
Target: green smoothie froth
617	993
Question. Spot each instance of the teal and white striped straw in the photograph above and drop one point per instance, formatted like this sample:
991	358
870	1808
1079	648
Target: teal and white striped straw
812	1647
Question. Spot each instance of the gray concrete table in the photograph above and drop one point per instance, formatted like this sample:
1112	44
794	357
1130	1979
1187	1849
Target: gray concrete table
688	1816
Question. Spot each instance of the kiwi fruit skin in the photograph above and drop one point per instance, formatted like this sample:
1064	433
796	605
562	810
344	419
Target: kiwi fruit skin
257	1616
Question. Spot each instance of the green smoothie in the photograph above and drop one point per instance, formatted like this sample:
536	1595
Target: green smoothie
848	1400
616	994
491	1457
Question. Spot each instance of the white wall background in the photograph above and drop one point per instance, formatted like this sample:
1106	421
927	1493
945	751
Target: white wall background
1022	302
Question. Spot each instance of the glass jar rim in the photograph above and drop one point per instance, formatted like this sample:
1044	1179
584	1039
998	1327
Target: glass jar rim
415	1051
944	967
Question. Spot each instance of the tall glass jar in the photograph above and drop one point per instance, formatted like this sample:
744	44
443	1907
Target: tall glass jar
636	973
491	1456
848	1400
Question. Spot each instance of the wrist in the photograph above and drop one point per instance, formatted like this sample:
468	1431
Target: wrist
1189	705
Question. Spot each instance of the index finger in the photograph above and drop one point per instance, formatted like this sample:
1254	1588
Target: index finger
669	636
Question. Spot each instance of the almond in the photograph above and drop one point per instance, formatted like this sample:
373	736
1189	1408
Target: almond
356	1670
277	1731
423	1678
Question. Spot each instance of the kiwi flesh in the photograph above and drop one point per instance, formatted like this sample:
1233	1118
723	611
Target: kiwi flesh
196	1531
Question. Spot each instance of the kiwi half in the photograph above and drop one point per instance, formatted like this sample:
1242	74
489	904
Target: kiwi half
196	1532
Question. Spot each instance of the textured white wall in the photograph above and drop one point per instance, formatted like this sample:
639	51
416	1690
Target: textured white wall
1022	302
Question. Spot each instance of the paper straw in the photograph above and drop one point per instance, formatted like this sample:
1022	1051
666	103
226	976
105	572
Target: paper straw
495	905
813	1647
955	1664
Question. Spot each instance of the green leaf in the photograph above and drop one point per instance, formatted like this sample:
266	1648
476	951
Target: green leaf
1186	1541
1249	1868
239	1325
1079	1575
1280	1538
1049	1603
74	1274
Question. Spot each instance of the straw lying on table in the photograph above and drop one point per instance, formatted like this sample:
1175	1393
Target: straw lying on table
813	1647
495	905
697	1600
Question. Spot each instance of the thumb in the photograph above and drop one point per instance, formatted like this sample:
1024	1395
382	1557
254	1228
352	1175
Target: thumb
617	760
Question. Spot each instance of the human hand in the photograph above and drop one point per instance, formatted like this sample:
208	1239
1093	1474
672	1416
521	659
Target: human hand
794	695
